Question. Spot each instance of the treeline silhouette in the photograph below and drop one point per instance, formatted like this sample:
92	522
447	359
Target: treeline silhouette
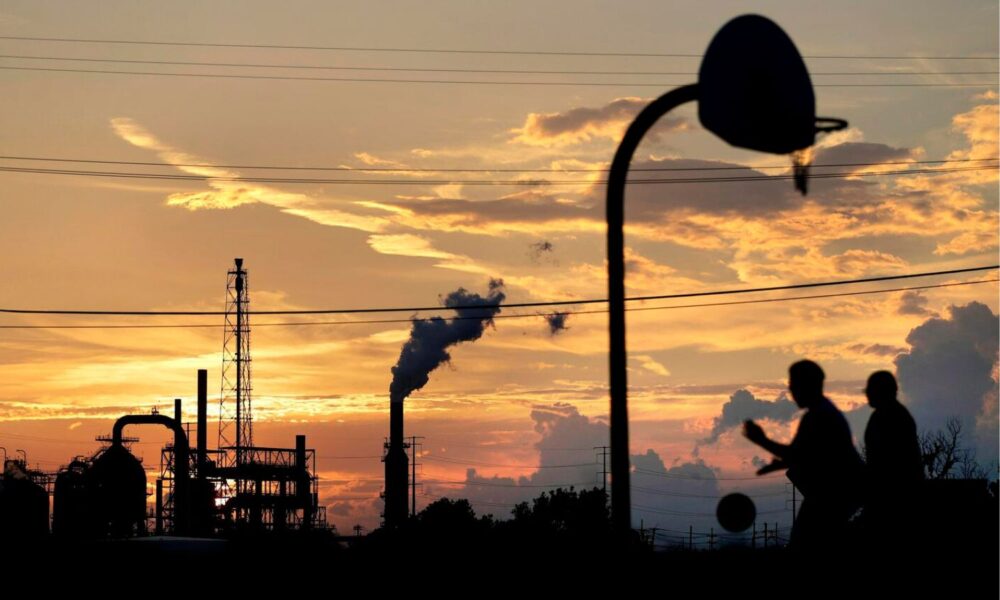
559	519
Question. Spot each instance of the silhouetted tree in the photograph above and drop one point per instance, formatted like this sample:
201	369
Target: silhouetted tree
446	517
945	456
563	515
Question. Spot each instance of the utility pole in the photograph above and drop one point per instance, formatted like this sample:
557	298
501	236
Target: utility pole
413	468
765	535
604	466
690	537
711	540
357	530
753	537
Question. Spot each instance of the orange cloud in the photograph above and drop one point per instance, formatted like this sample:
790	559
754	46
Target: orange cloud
649	363
231	194
584	124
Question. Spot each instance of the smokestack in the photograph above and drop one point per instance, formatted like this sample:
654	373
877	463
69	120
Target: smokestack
303	489
426	349
202	422
396	470
177	411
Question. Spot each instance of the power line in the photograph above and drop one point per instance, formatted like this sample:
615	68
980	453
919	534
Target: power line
454	50
479	170
810	297
512	305
705	479
676	513
472	501
657	492
481	182
474	463
345	457
443	70
514	316
448	81
692	514
510	485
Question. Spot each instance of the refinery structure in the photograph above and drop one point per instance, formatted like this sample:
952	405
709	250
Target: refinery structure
236	487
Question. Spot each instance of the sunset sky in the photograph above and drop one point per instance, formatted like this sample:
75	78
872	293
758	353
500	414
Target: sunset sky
523	396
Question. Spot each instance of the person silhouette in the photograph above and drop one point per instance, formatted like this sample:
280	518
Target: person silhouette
821	462
893	461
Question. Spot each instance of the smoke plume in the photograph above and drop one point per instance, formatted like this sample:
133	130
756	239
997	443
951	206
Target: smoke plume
430	338
556	321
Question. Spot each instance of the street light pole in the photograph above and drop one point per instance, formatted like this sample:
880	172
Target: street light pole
621	496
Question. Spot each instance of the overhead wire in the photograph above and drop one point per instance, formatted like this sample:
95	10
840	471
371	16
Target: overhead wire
444	70
460	50
618	84
366	169
656	492
515	316
510	485
524	304
483	182
693	478
475	463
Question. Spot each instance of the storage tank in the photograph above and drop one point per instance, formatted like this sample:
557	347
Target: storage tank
72	514
117	483
24	505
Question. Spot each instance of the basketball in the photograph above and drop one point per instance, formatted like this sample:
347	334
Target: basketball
736	512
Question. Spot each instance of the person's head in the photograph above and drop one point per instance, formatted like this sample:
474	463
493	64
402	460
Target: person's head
805	381
881	388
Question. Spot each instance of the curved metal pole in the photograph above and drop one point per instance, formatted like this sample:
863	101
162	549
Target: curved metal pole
181	464
621	497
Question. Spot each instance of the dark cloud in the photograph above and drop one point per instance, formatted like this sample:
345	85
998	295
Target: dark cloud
742	405
566	438
562	426
876	349
949	371
649	202
861	152
671	497
913	303
656	203
341	509
675	498
583	123
532	206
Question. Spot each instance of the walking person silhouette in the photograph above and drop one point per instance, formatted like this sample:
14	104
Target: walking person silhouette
821	461
894	465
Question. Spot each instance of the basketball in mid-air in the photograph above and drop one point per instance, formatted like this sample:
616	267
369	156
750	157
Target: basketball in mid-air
736	512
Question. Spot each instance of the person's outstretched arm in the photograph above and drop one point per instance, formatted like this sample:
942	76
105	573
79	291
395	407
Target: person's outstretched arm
755	434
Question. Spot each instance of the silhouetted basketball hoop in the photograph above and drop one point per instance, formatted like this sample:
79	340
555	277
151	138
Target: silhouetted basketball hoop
754	92
736	512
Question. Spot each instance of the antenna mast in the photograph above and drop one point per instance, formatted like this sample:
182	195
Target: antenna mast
234	402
